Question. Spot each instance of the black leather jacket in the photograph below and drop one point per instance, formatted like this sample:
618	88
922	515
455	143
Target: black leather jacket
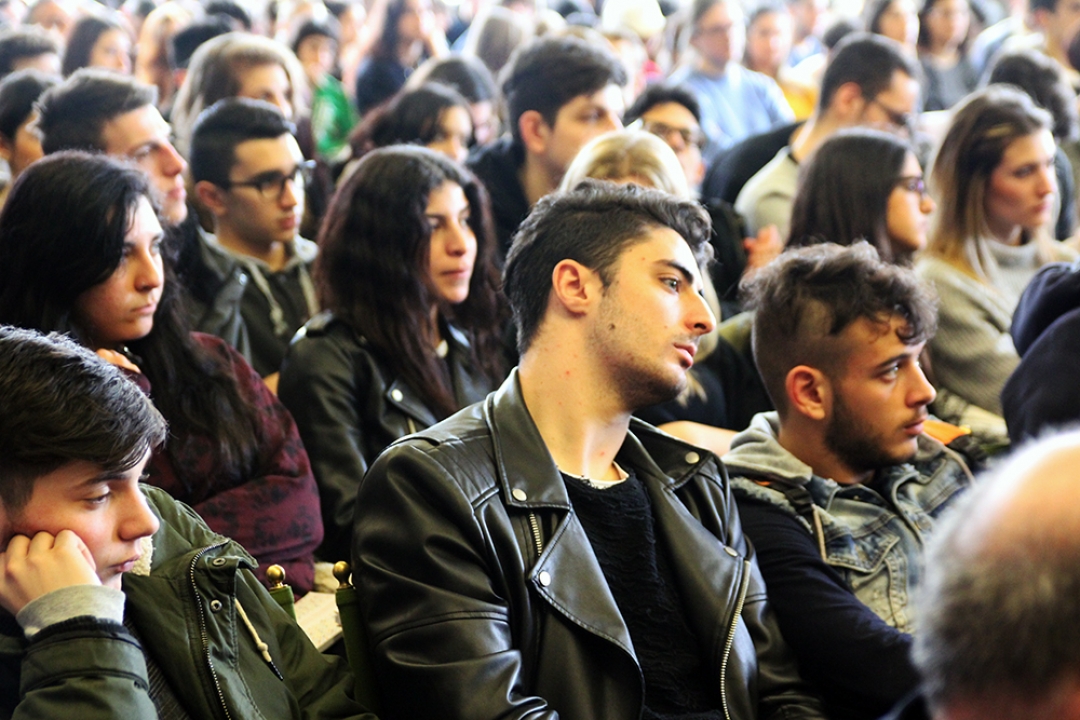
349	404
482	597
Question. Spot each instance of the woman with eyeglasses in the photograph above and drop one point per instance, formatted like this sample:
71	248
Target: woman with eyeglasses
863	185
994	181
410	333
102	272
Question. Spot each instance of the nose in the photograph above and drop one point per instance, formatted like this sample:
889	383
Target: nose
292	194
136	519
459	238
283	104
610	122
926	204
151	273
700	317
1047	181
172	163
922	393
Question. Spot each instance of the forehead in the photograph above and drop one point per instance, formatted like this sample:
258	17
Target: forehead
902	91
671	114
657	247
609	97
264	154
719	14
1028	148
867	343
129	130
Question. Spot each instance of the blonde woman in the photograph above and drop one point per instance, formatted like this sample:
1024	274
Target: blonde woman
994	182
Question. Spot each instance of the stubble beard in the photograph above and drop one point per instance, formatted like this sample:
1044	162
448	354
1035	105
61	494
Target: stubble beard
848	440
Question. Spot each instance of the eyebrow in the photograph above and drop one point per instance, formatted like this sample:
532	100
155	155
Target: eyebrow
895	359
680	268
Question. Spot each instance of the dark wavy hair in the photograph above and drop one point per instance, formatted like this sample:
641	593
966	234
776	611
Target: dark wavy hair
374	259
412	116
83	38
843	194
48	259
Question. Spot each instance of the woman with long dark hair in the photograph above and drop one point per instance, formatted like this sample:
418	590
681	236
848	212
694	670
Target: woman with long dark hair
432	115
411	328
410	35
863	185
99	271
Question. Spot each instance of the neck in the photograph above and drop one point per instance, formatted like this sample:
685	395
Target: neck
580	419
1006	234
711	67
409	52
815	131
536	179
807	443
274	254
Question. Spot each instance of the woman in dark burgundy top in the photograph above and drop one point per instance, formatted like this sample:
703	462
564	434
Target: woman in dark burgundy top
82	252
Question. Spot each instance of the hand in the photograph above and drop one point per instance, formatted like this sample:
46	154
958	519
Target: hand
763	249
118	359
30	568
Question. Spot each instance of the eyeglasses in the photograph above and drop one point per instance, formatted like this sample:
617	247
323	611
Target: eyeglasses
903	121
912	184
690	136
271	185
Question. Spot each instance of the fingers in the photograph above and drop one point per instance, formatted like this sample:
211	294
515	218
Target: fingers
118	359
33	567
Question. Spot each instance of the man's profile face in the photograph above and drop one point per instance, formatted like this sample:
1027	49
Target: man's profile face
578	122
651	318
676	125
143	136
249	213
879	401
894	108
107	511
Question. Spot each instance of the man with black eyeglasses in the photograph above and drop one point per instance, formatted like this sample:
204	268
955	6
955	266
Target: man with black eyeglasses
869	83
250	174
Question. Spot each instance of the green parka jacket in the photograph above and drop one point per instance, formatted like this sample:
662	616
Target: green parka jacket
187	615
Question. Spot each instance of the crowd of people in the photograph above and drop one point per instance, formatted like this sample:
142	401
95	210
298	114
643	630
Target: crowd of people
646	359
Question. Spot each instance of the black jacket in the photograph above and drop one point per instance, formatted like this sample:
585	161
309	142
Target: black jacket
497	166
1043	391
349	404
478	584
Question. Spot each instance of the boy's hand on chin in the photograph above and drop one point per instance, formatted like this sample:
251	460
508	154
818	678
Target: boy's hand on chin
32	567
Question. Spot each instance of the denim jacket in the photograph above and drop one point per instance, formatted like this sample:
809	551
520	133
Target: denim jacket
872	534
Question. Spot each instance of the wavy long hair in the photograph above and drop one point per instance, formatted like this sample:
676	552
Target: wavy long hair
48	259
373	264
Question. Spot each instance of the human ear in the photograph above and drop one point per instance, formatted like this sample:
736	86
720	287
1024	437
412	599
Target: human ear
211	196
848	102
7	148
574	286
809	392
534	131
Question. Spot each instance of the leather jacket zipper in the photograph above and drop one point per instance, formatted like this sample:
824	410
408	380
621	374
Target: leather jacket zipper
202	627
744	586
538	540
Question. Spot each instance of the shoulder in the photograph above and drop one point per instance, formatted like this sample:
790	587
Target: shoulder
182	529
456	455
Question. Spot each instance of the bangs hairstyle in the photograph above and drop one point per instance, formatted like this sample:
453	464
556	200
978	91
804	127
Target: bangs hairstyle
807	297
593	225
374	261
63	404
49	258
982	128
843	193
